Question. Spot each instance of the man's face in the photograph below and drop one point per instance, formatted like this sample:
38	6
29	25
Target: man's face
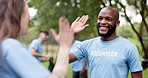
106	31
106	23
44	36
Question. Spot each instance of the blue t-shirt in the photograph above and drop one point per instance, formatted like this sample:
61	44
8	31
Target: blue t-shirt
77	65
37	45
109	59
19	63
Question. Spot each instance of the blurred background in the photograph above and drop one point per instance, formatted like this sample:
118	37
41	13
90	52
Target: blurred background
133	17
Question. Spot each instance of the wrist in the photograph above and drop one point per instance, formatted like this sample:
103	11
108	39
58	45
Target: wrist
65	47
43	55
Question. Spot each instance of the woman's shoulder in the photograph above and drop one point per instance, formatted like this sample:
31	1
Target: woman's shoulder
10	43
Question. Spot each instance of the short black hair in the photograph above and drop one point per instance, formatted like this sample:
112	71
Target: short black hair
45	32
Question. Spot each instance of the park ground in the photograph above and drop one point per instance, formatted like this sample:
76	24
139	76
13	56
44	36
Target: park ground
53	51
145	72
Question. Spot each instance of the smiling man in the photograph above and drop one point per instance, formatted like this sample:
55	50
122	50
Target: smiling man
109	55
36	47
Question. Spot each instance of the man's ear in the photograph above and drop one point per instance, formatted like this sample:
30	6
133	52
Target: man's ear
117	23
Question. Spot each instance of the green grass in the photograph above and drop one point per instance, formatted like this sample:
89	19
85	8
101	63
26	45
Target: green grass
69	69
145	72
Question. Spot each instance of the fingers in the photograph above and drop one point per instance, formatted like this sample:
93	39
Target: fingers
64	25
61	21
54	34
84	19
77	19
85	26
67	25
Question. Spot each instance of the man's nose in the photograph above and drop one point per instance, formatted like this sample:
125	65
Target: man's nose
103	21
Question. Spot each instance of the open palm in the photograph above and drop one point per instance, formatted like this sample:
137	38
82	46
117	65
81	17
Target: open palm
65	36
79	24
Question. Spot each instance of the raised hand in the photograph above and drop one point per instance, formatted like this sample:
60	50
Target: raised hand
79	24
65	36
64	39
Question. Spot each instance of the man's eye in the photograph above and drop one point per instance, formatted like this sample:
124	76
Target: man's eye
100	18
109	19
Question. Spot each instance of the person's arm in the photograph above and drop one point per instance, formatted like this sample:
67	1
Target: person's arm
77	26
72	58
64	39
133	62
61	67
136	74
82	72
35	53
66	33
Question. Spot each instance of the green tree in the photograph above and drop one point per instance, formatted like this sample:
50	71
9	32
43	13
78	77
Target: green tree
50	10
140	7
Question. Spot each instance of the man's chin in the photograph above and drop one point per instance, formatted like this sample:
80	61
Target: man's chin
103	35
103	31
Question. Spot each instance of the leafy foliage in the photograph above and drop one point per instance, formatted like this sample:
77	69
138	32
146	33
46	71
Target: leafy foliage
49	12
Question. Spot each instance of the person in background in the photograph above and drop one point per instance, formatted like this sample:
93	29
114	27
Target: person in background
79	68
36	47
19	63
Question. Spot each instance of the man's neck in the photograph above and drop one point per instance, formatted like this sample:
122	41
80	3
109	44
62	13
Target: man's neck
112	37
40	40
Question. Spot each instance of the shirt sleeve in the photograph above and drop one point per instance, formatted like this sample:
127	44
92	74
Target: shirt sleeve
133	60
79	52
24	64
34	45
